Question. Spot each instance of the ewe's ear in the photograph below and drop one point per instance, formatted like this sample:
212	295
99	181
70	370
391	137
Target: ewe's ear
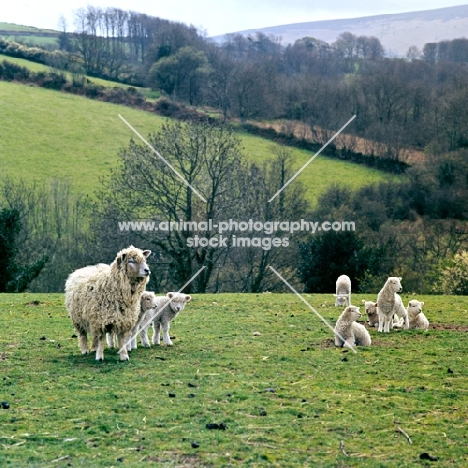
189	298
121	259
146	253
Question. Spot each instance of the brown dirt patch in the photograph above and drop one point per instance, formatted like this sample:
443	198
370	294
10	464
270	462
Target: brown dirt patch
448	326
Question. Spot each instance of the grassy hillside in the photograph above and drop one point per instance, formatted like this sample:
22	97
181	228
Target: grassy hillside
46	134
287	396
28	34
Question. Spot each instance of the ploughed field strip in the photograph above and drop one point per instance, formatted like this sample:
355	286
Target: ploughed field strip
251	380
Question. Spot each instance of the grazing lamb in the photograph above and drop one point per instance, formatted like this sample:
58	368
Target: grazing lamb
343	291
104	299
417	319
168	307
350	333
389	303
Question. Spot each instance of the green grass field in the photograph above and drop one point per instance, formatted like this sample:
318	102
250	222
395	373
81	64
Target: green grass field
287	396
47	134
28	34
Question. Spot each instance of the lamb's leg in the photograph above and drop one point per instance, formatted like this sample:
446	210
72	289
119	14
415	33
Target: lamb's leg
83	342
381	323
338	341
100	347
144	337
110	340
349	343
388	321
348	300
156	333
132	339
122	339
166	337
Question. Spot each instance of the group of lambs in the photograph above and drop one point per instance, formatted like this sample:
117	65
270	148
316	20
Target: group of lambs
388	312
110	301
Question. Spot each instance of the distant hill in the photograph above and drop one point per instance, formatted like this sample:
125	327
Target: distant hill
29	35
397	32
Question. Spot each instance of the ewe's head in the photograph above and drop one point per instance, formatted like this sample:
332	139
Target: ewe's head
133	262
148	301
415	307
394	283
371	307
341	299
352	313
178	300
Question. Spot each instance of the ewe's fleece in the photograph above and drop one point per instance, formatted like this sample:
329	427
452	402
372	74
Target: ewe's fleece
389	303
104	299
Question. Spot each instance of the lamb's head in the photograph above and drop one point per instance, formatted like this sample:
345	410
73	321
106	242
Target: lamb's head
178	300
371	308
351	313
414	307
394	283
133	262
148	301
341	299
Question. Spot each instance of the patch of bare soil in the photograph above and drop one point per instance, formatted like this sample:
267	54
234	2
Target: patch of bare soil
448	326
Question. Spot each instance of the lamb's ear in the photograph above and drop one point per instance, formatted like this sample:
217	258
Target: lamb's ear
189	298
121	259
422	303
376	305
146	253
336	295
363	301
400	278
170	295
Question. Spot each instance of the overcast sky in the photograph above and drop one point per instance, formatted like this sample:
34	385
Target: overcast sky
215	16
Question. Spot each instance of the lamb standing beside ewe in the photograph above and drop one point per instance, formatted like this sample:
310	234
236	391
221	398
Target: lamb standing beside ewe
343	291
350	333
104	299
168	307
373	316
390	303
417	319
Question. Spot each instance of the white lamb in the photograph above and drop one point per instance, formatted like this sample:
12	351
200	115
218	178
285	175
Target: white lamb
350	333
168	307
104	299
417	319
373	316
389	303
343	291
148	310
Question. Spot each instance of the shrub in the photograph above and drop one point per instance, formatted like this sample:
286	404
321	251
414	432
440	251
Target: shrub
454	278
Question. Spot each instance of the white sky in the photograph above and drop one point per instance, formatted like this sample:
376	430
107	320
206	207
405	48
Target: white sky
215	16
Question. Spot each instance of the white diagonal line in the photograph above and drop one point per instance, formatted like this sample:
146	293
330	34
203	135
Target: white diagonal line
311	308
164	160
141	326
312	158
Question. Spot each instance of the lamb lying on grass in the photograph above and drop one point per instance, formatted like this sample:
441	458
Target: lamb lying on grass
373	316
389	303
350	333
343	291
104	299
417	319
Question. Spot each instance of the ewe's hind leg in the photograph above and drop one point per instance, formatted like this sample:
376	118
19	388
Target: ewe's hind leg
166	337
110	340
156	333
100	347
122	339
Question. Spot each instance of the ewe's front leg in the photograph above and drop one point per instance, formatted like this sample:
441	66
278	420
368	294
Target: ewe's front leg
122	339
166	337
83	343
381	323
99	340
388	321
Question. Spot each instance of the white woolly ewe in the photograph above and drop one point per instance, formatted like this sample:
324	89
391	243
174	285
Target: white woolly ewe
104	299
